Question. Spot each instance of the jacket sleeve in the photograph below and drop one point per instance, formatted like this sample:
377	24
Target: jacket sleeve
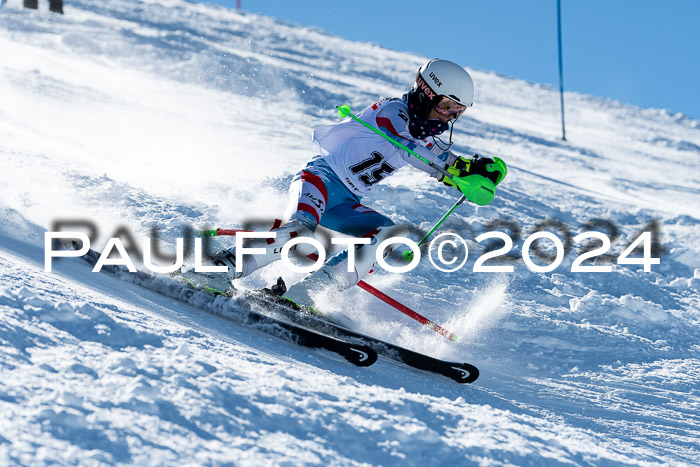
393	121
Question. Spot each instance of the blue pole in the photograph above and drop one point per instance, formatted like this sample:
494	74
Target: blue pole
561	72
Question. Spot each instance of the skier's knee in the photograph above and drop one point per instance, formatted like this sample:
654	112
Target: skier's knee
305	219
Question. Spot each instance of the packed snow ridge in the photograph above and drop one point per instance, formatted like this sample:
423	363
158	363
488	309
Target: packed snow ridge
135	115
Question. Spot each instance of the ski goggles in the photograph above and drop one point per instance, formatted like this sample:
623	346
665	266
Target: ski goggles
449	108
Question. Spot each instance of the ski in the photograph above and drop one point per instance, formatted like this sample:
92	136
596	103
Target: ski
356	353
302	327
457	371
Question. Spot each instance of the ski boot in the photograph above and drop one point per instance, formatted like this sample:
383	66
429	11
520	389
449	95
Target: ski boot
276	293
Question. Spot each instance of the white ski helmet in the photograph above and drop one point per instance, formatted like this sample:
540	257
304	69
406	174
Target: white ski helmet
437	79
447	78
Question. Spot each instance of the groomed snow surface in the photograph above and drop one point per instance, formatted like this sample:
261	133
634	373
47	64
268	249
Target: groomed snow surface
141	114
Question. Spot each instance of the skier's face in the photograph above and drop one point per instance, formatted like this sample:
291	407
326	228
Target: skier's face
435	115
446	110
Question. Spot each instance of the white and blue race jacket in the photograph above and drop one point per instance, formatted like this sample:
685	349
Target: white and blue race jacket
361	158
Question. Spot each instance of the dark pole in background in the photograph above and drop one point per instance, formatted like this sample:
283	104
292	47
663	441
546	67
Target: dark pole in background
561	72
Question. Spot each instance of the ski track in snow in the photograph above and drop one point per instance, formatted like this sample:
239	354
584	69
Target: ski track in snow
140	114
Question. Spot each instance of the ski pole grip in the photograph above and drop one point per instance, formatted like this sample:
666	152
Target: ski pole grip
343	110
207	233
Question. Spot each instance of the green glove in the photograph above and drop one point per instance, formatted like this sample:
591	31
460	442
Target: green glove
477	178
460	168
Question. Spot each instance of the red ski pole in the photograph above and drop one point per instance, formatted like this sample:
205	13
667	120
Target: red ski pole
406	310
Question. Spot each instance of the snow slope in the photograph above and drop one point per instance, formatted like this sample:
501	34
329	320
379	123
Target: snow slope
135	114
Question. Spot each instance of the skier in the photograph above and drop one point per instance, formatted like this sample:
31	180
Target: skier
352	161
